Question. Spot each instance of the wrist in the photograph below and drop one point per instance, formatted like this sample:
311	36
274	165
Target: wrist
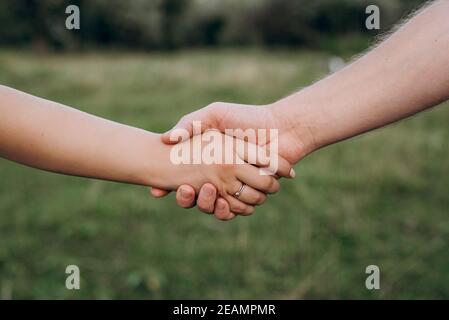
160	170
156	170
298	124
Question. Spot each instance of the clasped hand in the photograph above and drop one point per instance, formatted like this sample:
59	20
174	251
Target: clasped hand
233	189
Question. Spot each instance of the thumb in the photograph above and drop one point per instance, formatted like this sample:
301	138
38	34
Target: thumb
192	124
182	131
158	193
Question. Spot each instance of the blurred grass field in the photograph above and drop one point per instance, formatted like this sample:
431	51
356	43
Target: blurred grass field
379	199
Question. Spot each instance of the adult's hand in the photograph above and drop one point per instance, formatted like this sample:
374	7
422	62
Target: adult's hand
404	75
293	144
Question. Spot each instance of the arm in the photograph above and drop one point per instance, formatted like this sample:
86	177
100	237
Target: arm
406	74
53	137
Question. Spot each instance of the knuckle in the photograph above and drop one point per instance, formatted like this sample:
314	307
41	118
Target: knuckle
225	168
184	119
214	105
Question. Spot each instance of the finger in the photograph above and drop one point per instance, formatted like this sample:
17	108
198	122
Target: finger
284	169
250	196
251	176
238	207
182	131
185	196
206	198
222	211
192	124
158	193
262	156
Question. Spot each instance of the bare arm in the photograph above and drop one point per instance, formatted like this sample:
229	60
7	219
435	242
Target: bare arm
406	74
50	136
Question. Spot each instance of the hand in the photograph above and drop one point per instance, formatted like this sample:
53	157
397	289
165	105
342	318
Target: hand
378	89
227	178
293	145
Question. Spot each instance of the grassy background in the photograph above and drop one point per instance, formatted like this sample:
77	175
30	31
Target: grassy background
379	199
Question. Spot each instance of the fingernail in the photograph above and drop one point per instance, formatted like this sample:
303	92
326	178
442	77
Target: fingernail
184	194
209	192
292	173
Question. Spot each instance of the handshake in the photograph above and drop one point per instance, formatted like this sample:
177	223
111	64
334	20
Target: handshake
229	157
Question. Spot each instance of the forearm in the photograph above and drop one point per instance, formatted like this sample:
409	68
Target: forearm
406	74
53	137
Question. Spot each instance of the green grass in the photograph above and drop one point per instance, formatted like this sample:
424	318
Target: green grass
379	199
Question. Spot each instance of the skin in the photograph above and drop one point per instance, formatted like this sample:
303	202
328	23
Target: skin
405	74
53	137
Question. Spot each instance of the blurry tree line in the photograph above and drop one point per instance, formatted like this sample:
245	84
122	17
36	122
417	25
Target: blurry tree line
173	24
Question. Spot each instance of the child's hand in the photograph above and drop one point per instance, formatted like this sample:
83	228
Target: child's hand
223	161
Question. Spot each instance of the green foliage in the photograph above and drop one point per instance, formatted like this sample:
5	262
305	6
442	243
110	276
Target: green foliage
380	199
172	24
